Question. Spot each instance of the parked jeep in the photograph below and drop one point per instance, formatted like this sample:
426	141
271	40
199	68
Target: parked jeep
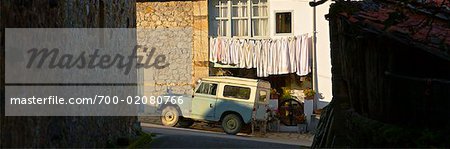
233	102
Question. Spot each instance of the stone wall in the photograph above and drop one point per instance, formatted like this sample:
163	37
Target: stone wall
201	40
179	30
64	131
172	14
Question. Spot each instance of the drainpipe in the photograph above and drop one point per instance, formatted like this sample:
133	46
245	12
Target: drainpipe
314	58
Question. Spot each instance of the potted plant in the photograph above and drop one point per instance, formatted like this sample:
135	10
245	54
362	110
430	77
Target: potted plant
273	94
286	93
309	94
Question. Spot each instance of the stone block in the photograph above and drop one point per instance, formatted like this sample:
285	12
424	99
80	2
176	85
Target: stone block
200	72
200	24
200	8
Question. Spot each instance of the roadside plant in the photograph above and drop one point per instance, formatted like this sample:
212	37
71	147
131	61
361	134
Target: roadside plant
309	94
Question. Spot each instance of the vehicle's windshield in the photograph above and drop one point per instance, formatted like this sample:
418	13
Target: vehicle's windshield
207	88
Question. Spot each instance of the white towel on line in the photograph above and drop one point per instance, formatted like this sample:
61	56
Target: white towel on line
269	57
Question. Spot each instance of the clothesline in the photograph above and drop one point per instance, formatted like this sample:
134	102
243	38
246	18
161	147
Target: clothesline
268	56
258	38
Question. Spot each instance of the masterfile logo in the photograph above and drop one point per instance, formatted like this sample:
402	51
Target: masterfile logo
91	61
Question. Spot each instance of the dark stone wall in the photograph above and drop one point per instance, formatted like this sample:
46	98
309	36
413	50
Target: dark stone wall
386	92
63	131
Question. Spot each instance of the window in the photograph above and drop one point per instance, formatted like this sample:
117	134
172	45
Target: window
239	21
283	22
207	88
242	18
260	18
262	96
222	18
236	92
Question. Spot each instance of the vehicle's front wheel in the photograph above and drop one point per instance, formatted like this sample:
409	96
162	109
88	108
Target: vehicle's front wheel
232	124
170	116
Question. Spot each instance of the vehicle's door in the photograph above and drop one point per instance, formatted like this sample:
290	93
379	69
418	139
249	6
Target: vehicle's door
261	104
204	101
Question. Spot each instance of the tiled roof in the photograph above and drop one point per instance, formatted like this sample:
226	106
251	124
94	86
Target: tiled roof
425	23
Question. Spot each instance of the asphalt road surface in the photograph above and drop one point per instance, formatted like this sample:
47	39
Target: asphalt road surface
169	137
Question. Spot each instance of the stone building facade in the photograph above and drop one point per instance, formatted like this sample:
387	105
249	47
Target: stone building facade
178	30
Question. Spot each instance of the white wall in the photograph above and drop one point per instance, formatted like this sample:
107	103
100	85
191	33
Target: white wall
302	17
323	53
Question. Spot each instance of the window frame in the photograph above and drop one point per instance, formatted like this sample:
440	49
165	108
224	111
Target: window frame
198	87
259	96
234	19
220	18
267	18
275	22
229	25
240	99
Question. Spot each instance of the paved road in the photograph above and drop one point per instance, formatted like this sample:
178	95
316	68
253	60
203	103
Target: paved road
168	137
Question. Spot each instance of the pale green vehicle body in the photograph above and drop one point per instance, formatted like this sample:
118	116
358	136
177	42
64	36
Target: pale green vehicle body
212	108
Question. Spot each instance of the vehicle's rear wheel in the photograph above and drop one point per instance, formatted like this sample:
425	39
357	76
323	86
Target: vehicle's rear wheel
170	116
232	124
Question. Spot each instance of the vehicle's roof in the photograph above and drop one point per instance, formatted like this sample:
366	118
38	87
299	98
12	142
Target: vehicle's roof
237	80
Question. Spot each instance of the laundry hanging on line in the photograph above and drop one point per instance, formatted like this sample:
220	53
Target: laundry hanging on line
268	56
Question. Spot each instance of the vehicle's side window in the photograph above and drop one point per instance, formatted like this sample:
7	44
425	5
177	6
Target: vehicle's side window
262	96
207	88
236	92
